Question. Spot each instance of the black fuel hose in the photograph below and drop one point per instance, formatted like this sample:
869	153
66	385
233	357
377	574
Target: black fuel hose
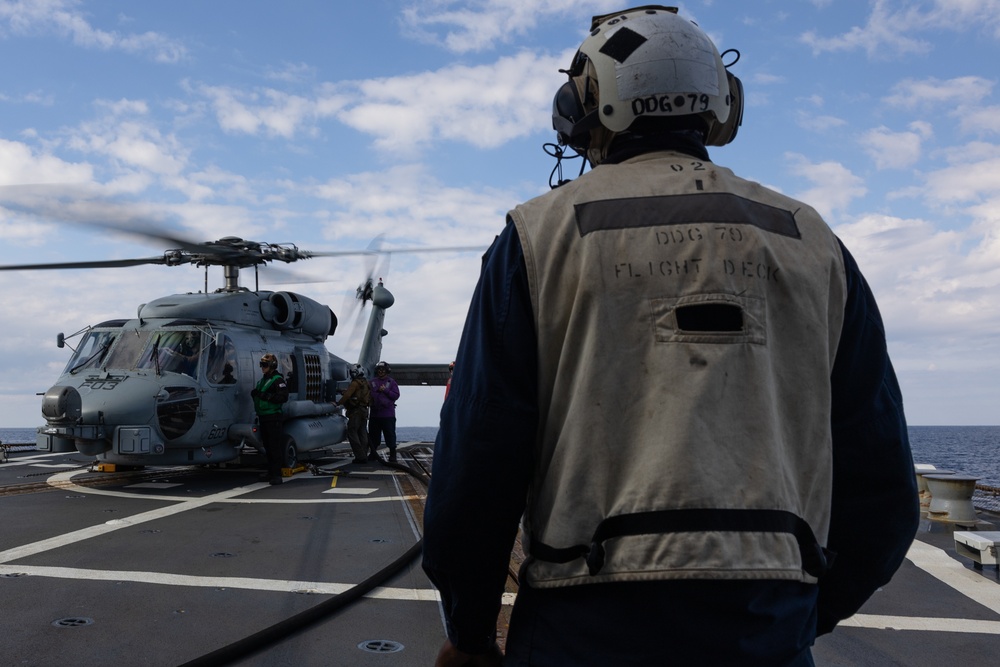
295	624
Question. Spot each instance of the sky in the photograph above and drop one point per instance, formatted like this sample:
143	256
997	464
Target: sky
422	122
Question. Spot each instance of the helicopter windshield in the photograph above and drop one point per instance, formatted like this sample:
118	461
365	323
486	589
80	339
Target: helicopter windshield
130	344
92	351
175	351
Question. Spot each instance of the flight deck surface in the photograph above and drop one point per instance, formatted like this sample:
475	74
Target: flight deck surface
168	565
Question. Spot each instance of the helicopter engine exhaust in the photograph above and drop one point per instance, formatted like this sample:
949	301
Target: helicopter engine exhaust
287	310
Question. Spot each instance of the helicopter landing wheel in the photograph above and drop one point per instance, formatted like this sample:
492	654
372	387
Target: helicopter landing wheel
291	453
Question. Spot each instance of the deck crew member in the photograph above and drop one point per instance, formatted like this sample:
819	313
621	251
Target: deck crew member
357	397
385	393
716	509
268	396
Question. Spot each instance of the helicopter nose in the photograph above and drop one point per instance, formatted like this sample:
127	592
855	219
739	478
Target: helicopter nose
61	404
132	401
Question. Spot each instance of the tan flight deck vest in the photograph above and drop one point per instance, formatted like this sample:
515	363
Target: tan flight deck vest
687	325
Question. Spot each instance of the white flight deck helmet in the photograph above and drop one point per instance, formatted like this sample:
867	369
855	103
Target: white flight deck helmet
645	62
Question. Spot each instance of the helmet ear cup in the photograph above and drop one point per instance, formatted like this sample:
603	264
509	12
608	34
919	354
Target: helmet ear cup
720	134
567	112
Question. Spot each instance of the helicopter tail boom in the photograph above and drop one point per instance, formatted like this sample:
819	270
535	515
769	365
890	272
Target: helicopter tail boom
371	346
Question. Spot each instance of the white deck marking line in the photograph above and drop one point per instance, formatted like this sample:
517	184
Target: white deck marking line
35	461
313	501
922	624
66	484
937	563
154	485
53	465
243	583
183	505
38	455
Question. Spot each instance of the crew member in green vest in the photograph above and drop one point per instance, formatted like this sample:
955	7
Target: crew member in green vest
268	396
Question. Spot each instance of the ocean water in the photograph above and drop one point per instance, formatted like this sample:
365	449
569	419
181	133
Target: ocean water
974	450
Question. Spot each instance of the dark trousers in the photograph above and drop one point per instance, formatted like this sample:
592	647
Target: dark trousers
274	444
357	432
379	426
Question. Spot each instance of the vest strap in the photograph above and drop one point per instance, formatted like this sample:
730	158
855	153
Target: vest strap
816	559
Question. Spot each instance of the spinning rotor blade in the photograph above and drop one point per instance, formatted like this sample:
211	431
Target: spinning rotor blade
355	312
389	251
97	264
354	303
83	205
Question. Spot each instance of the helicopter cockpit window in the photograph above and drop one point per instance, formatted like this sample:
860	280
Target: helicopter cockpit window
222	361
127	351
92	351
173	352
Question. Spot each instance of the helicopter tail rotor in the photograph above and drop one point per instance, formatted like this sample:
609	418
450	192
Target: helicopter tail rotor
356	303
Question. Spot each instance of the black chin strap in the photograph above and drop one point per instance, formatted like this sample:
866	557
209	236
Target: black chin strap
559	153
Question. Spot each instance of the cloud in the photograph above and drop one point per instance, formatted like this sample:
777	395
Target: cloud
896	150
835	186
485	105
818	123
937	277
131	144
768	79
291	73
815	122
933	92
20	165
61	17
128	157
960	97
927	281
433	211
973	177
983	120
477	25
892	26
269	111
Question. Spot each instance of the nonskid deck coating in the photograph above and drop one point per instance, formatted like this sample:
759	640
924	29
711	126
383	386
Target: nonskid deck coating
160	573
167	572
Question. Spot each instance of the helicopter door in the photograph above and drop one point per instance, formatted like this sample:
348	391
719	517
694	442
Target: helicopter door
223	374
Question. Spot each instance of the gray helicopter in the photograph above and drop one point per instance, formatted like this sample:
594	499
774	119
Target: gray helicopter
172	385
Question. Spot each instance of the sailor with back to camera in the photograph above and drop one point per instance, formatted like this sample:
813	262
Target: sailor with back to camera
716	509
